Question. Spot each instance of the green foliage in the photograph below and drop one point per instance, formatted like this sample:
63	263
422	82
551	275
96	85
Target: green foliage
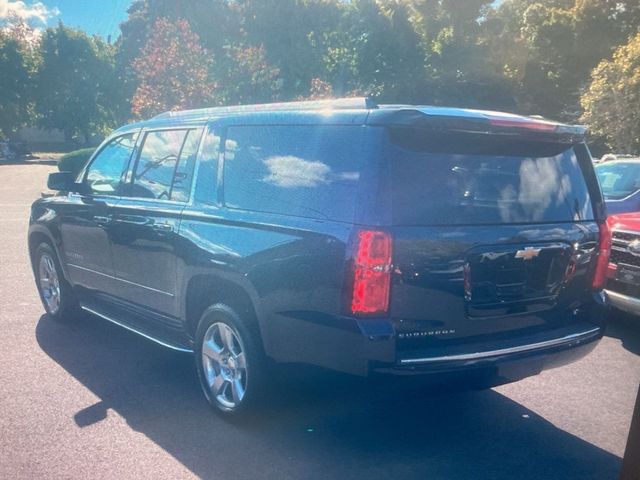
294	35
74	161
612	101
247	77
17	64
76	84
457	53
547	48
379	53
527	56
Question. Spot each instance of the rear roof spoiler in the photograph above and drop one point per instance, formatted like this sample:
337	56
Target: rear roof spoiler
476	121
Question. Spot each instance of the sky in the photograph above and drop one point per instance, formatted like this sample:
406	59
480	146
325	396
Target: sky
101	17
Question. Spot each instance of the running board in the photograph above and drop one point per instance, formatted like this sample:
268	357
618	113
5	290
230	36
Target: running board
131	329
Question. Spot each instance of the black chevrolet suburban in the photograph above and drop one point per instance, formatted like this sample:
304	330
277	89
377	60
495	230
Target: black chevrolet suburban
368	239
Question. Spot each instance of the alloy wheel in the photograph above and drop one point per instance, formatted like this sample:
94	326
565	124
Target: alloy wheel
49	283
225	365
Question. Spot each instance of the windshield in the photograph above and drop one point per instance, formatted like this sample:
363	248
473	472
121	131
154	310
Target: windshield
618	180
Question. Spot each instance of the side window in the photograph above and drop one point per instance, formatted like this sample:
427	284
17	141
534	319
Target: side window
308	171
184	171
157	163
208	169
103	175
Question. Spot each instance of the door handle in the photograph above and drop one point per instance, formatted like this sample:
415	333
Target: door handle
132	220
102	220
163	227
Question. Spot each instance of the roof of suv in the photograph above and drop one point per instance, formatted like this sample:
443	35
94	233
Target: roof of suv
362	110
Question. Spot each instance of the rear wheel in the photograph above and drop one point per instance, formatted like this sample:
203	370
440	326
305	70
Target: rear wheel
56	294
229	360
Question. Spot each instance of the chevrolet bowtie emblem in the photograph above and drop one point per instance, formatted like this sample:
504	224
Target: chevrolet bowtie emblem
528	253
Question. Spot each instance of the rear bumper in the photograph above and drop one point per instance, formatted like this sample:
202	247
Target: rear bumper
624	302
371	346
561	343
504	364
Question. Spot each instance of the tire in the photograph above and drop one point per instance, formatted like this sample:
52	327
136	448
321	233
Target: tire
56	294
229	360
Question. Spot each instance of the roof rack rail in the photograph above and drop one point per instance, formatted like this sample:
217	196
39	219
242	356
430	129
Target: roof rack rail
331	104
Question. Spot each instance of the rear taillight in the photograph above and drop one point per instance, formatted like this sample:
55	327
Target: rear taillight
604	252
371	273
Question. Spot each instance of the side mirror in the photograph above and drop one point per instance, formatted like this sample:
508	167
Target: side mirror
63	181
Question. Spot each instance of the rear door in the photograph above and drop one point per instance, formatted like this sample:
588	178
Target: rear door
494	236
145	223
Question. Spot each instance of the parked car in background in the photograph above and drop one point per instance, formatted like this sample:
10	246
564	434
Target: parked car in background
367	239
623	283
11	151
620	183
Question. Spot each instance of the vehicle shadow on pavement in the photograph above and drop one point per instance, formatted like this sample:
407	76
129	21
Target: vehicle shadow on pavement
626	328
324	426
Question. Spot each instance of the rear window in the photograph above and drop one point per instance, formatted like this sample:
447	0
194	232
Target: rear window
619	180
469	179
306	171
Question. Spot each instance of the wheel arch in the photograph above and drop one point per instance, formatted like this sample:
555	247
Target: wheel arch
206	289
42	235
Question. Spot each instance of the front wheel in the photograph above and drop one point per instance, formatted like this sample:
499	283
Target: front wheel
229	360
56	294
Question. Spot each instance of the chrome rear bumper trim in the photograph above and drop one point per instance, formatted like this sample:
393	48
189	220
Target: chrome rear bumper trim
568	339
131	329
624	302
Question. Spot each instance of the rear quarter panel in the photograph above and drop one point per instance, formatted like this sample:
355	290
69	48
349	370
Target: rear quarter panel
293	270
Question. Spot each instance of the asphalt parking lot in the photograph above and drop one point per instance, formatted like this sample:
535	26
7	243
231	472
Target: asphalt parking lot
89	400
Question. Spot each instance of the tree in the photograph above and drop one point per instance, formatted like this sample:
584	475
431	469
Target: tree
172	70
17	64
75	84
14	85
217	24
294	35
455	57
612	101
375	51
248	77
547	48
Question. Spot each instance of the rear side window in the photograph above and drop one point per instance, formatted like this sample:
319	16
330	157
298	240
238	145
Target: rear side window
307	171
468	179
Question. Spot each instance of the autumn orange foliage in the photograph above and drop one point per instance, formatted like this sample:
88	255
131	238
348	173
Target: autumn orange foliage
172	70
